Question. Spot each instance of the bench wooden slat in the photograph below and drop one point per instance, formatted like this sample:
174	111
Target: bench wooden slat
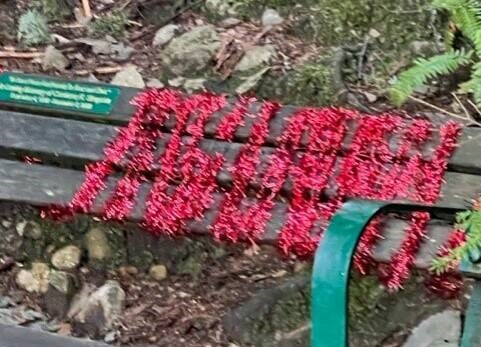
40	185
66	140
83	141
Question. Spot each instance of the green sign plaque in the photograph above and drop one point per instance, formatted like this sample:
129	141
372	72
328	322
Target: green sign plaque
58	94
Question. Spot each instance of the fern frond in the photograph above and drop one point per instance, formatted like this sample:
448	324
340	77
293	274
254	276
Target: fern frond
466	14
424	70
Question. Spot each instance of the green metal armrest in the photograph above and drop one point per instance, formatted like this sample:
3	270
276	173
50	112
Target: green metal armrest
332	264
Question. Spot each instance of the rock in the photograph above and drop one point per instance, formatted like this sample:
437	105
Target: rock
61	289
66	258
126	271
54	59
5	302
122	52
251	81
440	330
21	316
110	337
177	82
370	97
221	8
194	84
154	83
193	51
255	57
29	229
230	22
271	17
34	280
158	272
129	77
98	46
374	33
281	308
95	312
91	78
423	48
164	35
97	244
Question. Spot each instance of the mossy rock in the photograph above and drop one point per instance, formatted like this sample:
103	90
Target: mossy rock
316	83
274	315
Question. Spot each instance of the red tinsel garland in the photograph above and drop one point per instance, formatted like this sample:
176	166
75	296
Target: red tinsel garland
384	160
231	222
403	260
372	234
448	284
326	130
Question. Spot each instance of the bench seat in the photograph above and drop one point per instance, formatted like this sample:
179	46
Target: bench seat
66	140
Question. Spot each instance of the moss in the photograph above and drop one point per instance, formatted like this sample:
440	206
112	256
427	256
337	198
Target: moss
118	252
112	24
33	29
142	260
56	10
389	25
364	293
316	83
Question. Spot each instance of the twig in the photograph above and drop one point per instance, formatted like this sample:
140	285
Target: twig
86	7
127	3
108	69
454	115
21	55
362	54
462	106
474	106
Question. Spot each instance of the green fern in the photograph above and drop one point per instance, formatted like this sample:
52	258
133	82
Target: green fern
424	70
470	222
466	16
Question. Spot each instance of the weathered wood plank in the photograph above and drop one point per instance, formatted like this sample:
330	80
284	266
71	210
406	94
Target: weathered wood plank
60	138
84	141
64	139
40	185
466	158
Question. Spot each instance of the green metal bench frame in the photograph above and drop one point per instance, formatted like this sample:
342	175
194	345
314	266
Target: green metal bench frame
330	284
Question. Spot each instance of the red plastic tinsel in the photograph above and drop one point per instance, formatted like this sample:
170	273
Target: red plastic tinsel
403	260
313	156
449	283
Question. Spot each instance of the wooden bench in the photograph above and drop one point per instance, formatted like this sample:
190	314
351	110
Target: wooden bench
66	138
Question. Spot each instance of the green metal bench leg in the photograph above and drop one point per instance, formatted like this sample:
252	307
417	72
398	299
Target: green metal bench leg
472	324
330	274
330	284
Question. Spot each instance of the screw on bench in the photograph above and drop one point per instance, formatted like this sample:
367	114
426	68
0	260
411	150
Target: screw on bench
332	264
